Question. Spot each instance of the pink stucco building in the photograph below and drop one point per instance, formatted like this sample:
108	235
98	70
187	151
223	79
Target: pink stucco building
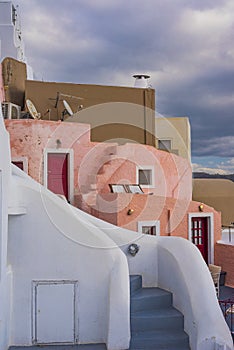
103	179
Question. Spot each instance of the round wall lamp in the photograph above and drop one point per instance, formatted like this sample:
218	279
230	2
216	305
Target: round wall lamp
201	207
130	211
133	249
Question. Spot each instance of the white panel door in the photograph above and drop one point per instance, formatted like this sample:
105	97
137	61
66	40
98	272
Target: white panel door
55	316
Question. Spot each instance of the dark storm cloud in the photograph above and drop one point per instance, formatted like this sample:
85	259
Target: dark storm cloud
185	45
222	146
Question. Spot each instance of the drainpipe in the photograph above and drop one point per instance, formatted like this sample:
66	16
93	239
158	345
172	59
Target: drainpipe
169	221
144	101
141	81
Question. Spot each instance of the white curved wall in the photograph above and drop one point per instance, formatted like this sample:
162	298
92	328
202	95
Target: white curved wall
50	242
5	271
183	271
175	264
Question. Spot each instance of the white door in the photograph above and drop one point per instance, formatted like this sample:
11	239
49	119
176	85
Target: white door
55	319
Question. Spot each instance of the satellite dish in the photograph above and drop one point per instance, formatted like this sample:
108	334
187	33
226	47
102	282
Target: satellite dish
32	109
67	108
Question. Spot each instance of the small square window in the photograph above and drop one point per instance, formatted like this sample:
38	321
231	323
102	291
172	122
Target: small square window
21	162
164	145
149	227
145	176
149	230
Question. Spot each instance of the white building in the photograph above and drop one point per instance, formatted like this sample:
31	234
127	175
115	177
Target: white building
11	42
64	275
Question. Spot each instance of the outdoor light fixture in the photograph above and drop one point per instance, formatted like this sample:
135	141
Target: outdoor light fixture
201	207
133	249
130	211
58	143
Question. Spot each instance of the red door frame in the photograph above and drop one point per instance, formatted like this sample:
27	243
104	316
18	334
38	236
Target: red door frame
58	173
200	235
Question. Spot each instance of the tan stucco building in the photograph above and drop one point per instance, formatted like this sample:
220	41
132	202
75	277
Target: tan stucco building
115	114
174	135
217	193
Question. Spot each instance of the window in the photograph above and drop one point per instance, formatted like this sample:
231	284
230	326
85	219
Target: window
164	145
21	162
149	230
119	188
134	189
145	176
149	227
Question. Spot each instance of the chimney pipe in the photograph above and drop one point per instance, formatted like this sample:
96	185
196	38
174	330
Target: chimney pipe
141	81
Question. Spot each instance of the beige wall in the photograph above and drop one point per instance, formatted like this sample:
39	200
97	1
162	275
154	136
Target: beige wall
114	113
217	193
14	74
177	130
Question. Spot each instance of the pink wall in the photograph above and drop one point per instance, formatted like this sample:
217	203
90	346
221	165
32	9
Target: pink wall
96	165
172	213
113	164
29	138
2	93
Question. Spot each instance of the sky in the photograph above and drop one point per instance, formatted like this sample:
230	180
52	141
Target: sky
186	46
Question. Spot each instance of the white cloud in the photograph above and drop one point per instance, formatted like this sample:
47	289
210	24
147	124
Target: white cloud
221	167
228	166
201	169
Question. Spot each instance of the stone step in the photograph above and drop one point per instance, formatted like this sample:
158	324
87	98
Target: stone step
172	340
161	319
135	283
150	298
61	347
155	323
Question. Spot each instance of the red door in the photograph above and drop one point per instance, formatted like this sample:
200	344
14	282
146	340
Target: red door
200	235
57	180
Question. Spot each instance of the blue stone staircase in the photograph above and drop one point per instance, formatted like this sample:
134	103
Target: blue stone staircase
155	323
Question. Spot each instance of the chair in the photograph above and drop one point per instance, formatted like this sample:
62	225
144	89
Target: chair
215	274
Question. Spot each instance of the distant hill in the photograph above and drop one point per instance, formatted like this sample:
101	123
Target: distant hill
198	175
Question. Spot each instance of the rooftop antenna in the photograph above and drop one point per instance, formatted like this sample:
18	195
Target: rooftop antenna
67	109
32	110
